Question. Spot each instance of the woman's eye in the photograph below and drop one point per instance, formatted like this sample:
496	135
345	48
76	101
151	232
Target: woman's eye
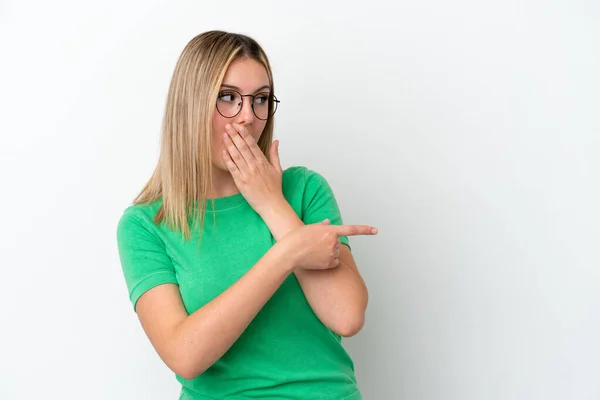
262	99
226	96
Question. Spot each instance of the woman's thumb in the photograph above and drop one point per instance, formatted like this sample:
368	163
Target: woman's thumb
275	161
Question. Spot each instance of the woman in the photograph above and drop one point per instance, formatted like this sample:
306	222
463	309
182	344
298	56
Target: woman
234	267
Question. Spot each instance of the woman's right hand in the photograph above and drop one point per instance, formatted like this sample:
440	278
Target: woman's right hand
316	246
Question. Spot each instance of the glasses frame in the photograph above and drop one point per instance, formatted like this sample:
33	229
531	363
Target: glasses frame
272	98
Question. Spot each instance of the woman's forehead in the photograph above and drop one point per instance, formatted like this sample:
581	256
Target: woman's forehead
246	75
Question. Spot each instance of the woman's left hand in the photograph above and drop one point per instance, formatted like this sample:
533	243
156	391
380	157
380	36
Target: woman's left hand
258	180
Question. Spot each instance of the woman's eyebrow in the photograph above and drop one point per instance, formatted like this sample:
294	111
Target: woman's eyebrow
238	89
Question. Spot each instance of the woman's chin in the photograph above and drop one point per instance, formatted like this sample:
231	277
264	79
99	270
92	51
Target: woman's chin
221	167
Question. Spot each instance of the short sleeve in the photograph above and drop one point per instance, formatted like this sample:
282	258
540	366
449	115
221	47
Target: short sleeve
144	260
319	202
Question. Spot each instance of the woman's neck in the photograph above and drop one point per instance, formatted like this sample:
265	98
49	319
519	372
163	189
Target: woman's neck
223	184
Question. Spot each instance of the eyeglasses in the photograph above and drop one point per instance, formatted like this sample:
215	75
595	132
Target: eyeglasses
229	104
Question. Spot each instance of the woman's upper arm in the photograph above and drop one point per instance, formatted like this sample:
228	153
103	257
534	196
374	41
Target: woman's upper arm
160	311
347	259
151	282
143	255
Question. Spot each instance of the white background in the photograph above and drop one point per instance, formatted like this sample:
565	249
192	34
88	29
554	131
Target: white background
466	131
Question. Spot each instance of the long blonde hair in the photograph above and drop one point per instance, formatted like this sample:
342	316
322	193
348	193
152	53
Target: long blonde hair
183	174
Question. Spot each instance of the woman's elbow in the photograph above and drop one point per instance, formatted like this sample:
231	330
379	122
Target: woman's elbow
187	374
180	362
352	326
185	370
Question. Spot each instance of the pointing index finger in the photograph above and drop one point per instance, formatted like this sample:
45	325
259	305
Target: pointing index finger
355	230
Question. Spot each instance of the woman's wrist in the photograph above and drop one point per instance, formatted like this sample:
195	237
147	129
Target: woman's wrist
285	256
281	218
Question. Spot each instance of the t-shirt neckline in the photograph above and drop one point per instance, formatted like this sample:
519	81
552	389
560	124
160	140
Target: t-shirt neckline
226	202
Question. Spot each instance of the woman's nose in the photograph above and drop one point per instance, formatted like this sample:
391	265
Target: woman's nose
246	115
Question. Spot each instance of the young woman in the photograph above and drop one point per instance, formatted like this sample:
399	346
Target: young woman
234	267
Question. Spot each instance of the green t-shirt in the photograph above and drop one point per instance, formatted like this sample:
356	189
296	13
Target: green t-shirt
286	352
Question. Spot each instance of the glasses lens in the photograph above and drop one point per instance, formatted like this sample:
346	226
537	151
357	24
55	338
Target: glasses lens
263	105
229	103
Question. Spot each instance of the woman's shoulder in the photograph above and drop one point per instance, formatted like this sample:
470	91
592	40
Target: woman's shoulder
300	175
300	172
293	171
140	213
301	184
293	178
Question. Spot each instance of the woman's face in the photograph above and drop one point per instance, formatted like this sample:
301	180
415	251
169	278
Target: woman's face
246	76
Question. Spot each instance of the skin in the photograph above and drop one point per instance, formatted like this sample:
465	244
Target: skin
326	271
246	75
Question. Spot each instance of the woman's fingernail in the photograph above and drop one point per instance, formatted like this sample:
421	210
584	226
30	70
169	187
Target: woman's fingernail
228	127
374	230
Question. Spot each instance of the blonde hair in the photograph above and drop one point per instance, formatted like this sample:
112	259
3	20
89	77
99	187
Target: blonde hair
183	174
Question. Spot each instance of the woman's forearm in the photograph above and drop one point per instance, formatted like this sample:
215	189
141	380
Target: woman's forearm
338	296
205	335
